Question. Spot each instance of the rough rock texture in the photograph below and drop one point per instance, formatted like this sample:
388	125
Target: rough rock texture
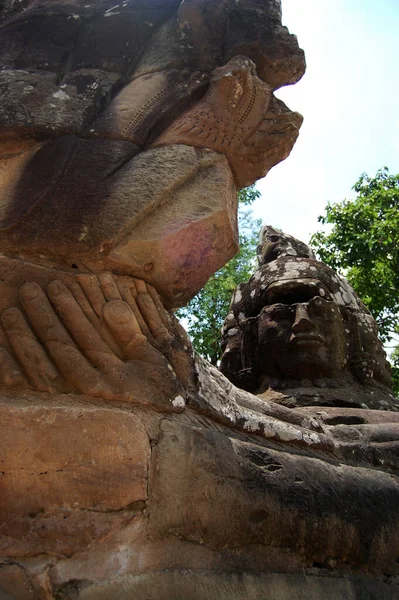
169	216
196	505
238	116
299	328
87	87
51	478
130	468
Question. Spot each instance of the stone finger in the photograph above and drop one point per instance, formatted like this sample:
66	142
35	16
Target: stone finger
126	290
85	305
140	349
140	286
29	352
41	315
96	301
159	306
121	322
10	374
133	289
108	286
85	335
93	292
152	318
78	371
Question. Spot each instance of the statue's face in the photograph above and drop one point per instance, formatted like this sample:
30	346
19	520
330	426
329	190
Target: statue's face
301	334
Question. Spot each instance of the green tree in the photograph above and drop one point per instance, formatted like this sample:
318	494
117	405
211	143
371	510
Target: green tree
206	312
363	244
395	369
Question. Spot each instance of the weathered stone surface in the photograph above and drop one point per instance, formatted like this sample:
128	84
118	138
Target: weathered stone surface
238	116
128	468
298	327
192	233
130	115
67	474
180	228
91	50
228	586
273	49
216	397
15	584
86	87
253	490
108	337
350	416
216	503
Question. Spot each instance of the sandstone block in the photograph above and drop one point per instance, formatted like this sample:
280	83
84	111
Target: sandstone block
193	232
228	493
56	463
167	216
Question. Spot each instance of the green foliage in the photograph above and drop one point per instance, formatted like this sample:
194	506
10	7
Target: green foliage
395	369
206	312
363	244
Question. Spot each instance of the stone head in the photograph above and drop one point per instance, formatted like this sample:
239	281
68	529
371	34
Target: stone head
296	320
126	129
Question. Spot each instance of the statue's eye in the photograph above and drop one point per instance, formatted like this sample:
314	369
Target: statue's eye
280	311
320	304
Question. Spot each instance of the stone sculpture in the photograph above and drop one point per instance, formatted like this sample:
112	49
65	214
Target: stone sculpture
107	337
297	325
130	467
110	103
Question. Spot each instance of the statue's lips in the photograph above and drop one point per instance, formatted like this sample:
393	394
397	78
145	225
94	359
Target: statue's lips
305	340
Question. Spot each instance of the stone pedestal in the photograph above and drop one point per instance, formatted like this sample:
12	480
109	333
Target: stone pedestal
106	503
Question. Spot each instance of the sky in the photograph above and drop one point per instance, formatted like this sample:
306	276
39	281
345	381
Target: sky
349	98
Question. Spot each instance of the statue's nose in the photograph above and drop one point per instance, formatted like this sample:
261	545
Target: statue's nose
302	321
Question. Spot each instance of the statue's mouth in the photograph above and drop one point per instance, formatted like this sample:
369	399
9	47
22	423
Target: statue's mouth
307	340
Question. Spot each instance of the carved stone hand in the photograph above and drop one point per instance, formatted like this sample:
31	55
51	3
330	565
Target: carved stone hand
105	337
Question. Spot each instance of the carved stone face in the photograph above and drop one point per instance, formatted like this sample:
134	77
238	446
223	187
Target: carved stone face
301	340
295	320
